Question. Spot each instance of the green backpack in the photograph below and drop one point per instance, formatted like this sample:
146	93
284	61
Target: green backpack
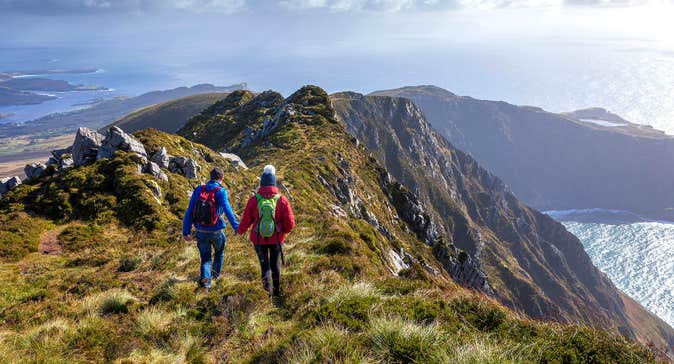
266	208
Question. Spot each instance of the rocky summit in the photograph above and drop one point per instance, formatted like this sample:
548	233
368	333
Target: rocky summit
93	268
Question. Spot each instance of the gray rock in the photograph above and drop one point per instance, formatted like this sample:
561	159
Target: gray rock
235	160
191	169
66	163
188	167
156	190
34	170
3	185
161	158
58	153
154	169
116	139
9	183
86	146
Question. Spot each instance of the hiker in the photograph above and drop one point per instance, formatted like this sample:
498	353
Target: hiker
271	217
207	204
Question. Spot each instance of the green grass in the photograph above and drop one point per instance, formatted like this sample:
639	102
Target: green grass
125	289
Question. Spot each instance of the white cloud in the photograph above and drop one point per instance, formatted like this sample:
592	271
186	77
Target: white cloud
61	7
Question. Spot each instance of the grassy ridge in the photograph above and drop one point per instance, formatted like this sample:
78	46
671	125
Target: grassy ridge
124	290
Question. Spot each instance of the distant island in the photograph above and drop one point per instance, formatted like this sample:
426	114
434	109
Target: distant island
16	89
53	71
11	97
2	116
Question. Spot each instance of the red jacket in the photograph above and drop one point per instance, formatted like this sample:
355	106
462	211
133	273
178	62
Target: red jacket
284	218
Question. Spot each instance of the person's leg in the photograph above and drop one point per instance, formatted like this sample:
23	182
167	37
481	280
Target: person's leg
204	245
274	254
263	256
219	242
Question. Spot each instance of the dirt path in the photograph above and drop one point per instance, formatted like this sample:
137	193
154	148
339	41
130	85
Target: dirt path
49	243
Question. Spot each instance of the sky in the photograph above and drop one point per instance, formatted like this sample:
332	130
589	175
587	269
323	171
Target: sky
364	45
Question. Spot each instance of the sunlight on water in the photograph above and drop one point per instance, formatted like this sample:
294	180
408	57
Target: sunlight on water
638	257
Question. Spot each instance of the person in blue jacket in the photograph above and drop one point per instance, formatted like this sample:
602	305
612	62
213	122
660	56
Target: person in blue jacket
210	237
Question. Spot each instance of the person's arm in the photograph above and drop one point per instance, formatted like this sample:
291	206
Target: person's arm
287	217
231	217
188	219
247	219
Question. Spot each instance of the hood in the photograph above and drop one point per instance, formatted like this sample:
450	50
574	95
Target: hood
268	191
212	184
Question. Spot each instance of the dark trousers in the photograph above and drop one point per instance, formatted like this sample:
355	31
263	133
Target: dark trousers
269	264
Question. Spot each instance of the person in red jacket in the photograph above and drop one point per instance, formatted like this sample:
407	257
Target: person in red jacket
268	248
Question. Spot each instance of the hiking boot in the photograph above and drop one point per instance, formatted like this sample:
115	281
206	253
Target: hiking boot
206	283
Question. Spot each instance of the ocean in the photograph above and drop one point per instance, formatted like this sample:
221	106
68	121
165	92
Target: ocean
637	254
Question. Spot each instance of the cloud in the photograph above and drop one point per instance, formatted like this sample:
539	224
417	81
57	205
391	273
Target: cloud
64	7
74	7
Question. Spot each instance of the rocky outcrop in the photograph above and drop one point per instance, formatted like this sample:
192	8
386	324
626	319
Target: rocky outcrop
116	139
9	183
86	145
188	167
161	158
34	170
154	169
235	160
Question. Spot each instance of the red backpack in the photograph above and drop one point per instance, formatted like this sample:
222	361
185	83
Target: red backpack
205	210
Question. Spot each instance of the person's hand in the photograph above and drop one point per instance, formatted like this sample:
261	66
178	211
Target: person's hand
187	237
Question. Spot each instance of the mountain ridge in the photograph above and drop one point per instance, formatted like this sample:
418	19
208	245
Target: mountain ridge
529	148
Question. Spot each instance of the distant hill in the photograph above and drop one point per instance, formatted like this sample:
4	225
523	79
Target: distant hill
585	159
105	112
168	116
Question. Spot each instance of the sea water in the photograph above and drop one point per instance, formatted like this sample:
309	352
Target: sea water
637	254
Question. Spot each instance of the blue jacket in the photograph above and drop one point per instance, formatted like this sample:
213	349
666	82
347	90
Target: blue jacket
222	205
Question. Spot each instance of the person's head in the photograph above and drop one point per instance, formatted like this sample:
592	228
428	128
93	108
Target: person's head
217	174
268	177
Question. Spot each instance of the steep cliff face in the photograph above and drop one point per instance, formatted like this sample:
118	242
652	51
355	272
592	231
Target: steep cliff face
532	262
558	161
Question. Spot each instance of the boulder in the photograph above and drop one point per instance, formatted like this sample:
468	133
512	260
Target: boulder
52	161
188	167
59	153
191	169
116	139
3	185
13	183
9	183
161	158
66	163
86	146
154	169
34	170
234	160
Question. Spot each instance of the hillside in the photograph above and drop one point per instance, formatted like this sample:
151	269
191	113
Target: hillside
558	161
110	280
105	112
168	116
532	263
